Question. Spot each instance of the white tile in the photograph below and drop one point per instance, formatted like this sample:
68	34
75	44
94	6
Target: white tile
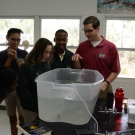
4	124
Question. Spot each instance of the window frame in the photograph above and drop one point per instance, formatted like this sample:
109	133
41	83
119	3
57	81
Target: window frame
119	48
19	17
37	26
62	17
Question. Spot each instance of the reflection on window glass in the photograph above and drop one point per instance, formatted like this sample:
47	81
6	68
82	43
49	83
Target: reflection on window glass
127	61
72	26
26	25
121	33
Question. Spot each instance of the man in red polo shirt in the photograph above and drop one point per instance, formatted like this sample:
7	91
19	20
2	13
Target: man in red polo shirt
97	53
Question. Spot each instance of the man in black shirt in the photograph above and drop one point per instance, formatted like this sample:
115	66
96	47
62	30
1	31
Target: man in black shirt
62	56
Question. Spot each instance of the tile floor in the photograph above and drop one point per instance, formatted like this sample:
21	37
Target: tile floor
4	124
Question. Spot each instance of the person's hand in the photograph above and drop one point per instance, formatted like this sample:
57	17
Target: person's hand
104	85
11	53
15	55
76	57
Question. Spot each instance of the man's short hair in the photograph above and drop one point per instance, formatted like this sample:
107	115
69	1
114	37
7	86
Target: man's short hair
92	20
60	30
14	30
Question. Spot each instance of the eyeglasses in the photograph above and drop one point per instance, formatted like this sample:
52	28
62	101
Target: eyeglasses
15	40
87	31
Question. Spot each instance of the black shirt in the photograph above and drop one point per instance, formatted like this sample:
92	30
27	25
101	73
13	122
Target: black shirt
21	54
65	63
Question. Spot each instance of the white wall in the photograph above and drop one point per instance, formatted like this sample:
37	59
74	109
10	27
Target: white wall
83	8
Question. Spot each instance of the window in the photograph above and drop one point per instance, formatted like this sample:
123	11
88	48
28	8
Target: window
26	25
34	31
121	32
72	26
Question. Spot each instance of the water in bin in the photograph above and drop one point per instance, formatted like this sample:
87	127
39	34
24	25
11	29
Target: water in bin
66	95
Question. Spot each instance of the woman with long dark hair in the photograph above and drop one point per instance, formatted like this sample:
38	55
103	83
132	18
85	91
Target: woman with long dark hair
36	63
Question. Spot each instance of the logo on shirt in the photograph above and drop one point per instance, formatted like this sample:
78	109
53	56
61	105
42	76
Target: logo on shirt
101	55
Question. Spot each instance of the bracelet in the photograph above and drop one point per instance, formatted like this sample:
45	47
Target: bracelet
107	82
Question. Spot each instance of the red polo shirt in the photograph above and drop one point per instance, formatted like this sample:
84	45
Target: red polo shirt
103	58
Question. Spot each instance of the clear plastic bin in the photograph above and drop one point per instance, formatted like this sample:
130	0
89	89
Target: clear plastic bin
62	94
131	111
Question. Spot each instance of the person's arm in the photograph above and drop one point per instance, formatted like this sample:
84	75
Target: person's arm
77	65
17	61
76	60
115	67
8	62
11	54
110	79
25	84
112	76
